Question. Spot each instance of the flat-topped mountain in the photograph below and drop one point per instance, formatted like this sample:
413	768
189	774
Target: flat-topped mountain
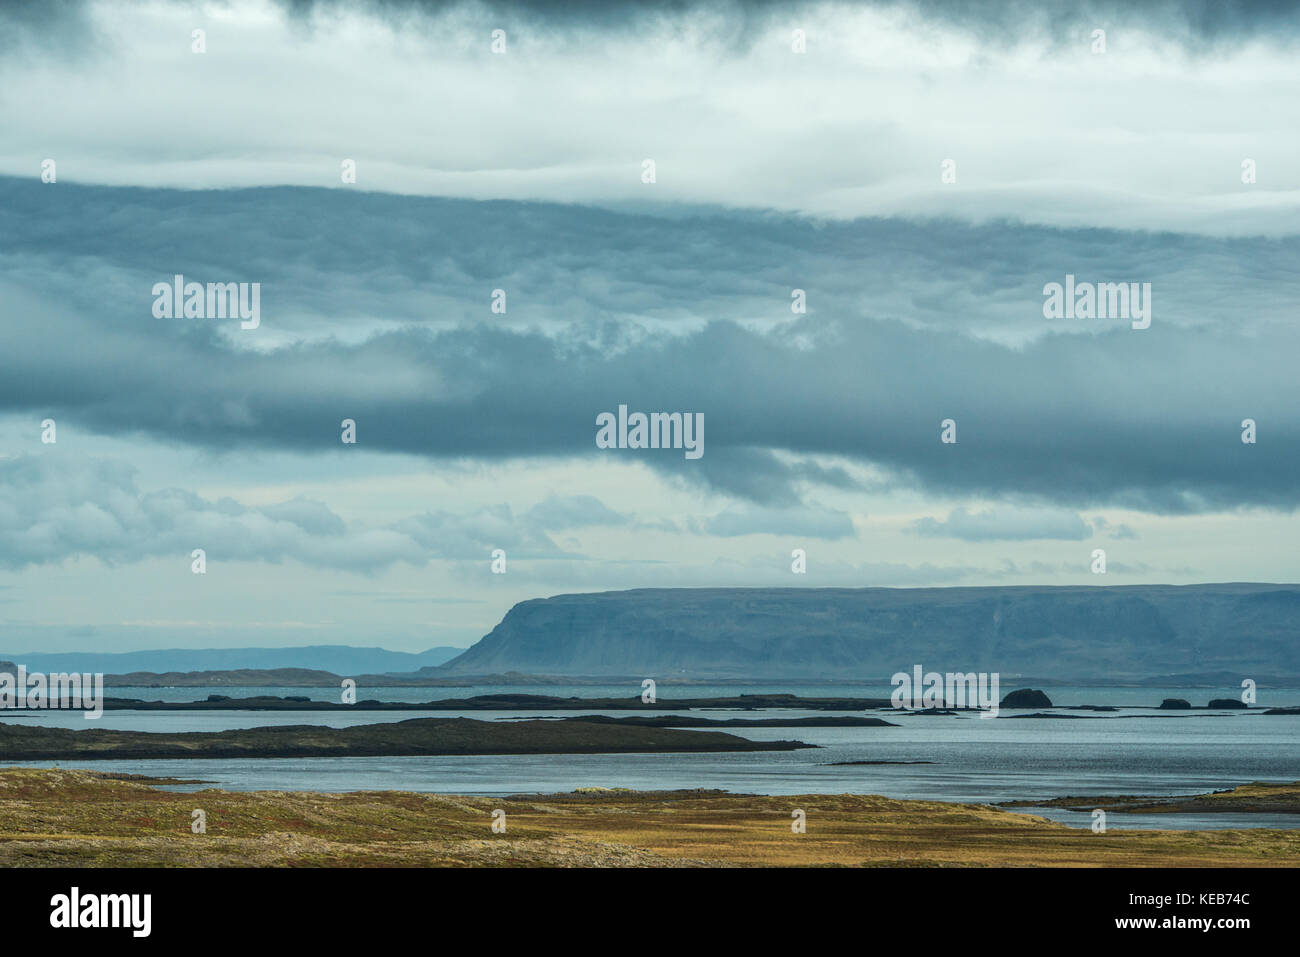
1062	631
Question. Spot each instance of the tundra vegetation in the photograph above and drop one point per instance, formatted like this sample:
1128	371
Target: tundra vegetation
57	817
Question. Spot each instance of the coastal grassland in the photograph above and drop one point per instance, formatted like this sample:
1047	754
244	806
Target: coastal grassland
57	817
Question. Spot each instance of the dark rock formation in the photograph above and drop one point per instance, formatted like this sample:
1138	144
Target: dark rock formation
416	736
689	721
1224	703
1026	698
1175	704
500	702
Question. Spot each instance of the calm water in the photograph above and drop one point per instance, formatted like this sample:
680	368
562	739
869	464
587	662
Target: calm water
1133	751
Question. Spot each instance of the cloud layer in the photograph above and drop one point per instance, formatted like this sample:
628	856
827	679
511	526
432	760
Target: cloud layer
1076	412
855	210
1150	134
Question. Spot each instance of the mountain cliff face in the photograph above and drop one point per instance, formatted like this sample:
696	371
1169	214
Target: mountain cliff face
870	633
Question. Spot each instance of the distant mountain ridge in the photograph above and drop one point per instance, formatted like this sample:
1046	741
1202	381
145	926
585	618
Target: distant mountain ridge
338	659
1112	631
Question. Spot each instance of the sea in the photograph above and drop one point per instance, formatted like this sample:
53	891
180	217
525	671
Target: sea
1135	750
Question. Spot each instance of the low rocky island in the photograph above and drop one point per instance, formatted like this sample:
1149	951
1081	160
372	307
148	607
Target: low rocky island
688	721
499	702
1255	798
416	736
1022	699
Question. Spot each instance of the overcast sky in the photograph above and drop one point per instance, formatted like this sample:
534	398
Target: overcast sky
775	170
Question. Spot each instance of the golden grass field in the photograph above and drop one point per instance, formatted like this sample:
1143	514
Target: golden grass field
55	817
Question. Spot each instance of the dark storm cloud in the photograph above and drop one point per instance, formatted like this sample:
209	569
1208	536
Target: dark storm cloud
1203	19
1146	419
57	24
1198	23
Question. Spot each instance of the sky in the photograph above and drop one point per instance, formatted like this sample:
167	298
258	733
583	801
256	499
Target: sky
854	214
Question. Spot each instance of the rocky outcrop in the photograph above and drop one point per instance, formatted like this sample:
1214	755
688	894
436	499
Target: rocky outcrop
500	702
1026	698
418	736
1175	704
689	721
